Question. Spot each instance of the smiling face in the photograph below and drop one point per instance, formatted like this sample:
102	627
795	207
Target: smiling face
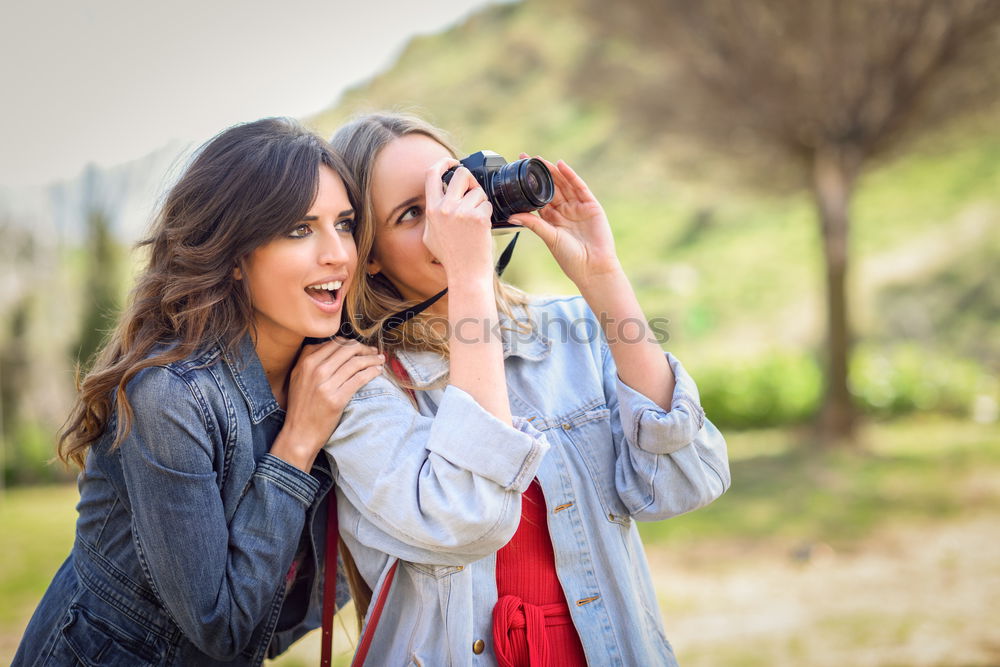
397	192
297	282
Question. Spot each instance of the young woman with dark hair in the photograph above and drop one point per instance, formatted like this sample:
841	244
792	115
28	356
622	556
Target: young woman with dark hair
203	503
489	494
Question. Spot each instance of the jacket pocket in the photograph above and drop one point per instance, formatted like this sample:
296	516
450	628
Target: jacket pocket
436	571
100	642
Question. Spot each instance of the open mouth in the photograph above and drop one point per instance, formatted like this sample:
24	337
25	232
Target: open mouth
325	292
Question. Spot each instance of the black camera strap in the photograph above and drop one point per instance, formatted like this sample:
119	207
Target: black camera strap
400	318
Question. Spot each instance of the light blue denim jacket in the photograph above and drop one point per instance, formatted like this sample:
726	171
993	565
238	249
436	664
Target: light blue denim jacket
440	489
187	530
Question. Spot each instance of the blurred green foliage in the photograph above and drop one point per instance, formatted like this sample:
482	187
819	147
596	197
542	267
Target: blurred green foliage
102	286
30	461
785	489
907	378
784	387
774	389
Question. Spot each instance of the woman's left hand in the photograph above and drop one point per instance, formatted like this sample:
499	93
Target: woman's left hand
574	227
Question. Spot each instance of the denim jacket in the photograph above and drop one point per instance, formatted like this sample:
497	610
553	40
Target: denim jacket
440	490
187	531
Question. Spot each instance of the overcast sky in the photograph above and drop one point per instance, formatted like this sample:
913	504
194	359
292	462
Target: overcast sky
106	81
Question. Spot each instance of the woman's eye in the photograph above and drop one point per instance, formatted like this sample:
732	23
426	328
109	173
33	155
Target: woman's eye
347	225
300	231
411	213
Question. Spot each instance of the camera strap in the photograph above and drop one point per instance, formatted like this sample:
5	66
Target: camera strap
400	318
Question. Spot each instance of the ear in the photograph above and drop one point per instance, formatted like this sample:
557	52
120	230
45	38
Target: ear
374	266
237	274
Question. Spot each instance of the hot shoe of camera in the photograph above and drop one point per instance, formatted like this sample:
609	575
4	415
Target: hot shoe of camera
521	186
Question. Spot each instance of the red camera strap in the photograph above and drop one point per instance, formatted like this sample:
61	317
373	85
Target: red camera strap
330	579
376	612
330	576
330	596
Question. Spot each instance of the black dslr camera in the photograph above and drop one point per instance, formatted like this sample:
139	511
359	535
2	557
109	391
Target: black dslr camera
512	187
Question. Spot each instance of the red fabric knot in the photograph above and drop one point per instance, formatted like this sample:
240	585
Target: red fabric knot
511	614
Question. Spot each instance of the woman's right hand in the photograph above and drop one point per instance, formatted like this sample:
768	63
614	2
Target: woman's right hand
457	233
457	229
323	380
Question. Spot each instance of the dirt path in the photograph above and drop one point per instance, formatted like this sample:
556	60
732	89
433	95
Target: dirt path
912	595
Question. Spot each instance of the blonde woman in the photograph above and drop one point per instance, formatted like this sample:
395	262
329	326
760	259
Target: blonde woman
505	462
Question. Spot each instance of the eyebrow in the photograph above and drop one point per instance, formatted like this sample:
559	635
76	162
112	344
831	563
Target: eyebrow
409	202
343	214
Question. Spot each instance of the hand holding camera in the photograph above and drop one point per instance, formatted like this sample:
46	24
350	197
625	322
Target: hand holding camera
571	221
516	187
457	231
574	227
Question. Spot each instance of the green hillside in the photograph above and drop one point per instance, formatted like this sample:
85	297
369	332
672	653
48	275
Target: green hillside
737	271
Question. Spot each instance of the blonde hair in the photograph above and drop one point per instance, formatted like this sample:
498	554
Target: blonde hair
373	299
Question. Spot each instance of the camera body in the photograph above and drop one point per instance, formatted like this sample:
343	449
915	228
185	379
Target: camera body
521	186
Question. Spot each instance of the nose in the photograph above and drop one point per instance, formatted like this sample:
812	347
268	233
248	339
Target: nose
334	249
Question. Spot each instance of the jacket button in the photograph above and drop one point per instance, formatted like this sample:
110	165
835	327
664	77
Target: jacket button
478	646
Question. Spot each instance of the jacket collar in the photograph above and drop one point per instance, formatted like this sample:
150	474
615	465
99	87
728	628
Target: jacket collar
248	373
426	368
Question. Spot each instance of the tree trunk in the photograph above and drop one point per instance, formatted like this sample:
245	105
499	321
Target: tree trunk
834	171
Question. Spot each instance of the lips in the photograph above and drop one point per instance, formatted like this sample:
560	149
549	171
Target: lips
326	294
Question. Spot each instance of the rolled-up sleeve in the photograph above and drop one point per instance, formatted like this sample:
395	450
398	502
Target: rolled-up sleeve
468	436
669	461
442	489
652	429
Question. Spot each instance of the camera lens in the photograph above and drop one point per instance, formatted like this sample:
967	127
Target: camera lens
536	182
522	186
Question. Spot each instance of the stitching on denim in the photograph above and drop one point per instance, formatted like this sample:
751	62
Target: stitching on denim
651	482
194	390
633	435
590	415
257	412
112	570
533	454
376	393
718	474
107	517
127	642
695	409
291	489
192	364
594	410
276	601
232	433
301	489
436	571
99	588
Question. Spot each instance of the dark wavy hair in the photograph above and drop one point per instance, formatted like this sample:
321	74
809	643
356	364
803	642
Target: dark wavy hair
246	186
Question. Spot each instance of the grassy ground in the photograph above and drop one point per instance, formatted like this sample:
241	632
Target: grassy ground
886	555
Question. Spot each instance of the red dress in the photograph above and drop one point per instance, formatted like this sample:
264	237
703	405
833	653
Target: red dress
532	626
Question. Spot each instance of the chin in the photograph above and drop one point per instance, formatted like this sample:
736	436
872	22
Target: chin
324	331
